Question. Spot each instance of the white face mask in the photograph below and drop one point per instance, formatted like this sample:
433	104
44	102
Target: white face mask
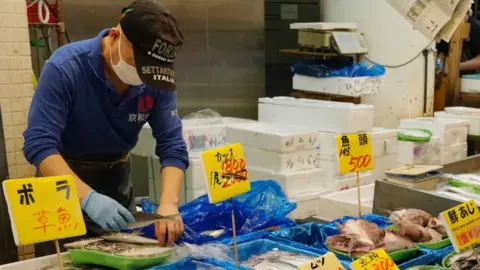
125	72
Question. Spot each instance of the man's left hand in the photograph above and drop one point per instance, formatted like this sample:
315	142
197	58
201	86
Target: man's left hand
169	229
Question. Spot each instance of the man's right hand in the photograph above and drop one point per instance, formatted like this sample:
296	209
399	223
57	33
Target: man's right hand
106	212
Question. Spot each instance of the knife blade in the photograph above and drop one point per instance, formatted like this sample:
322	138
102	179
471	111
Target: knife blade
143	219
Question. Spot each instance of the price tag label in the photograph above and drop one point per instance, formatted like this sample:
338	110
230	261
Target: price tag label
375	260
355	153
43	209
463	225
225	172
327	262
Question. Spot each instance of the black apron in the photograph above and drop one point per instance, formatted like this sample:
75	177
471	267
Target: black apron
106	174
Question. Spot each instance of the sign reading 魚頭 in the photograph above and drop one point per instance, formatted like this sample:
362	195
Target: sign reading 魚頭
355	153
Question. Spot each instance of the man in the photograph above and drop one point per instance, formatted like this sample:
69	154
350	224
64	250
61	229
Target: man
92	99
471	50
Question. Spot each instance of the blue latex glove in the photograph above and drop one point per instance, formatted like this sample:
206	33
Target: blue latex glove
106	212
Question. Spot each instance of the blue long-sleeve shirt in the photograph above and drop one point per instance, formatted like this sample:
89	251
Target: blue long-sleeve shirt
75	111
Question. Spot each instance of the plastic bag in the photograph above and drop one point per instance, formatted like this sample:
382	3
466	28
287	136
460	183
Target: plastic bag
203	117
322	69
264	206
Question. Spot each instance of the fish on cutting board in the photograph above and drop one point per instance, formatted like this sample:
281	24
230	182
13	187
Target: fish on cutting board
134	238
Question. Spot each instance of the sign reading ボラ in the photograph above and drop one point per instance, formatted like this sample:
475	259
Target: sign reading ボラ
43	209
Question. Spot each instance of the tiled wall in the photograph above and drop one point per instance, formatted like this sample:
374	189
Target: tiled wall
16	87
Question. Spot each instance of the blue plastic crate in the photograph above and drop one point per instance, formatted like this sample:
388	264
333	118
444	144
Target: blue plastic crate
257	247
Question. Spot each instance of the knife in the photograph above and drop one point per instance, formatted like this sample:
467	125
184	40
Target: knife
143	219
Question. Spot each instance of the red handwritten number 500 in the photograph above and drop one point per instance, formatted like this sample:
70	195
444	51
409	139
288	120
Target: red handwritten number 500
359	162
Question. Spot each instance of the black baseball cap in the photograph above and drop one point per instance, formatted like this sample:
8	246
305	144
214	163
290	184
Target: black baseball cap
156	40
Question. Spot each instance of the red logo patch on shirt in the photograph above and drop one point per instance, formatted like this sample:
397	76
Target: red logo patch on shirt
145	103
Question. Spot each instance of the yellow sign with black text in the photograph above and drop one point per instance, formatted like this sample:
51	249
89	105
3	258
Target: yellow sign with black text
225	172
375	260
43	209
355	153
327	262
463	225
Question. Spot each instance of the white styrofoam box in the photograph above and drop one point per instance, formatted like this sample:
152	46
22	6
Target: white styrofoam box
37	263
345	203
345	86
336	184
382	164
192	194
459	110
199	134
446	154
194	175
280	162
384	142
331	170
317	114
292	183
307	205
325	26
273	137
469	85
474	121
449	131
412	153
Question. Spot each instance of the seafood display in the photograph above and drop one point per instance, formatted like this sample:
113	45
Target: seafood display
277	260
419	226
122	244
359	237
133	238
463	261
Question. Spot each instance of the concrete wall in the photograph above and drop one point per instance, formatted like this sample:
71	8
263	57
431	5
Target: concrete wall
392	42
221	65
16	89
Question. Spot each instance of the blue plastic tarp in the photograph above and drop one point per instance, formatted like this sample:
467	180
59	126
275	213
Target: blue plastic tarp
324	69
264	206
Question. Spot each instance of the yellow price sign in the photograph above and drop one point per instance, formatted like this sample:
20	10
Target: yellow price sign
355	153
225	172
375	260
43	209
327	262
463	225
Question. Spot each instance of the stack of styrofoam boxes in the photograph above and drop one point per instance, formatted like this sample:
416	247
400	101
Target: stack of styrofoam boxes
448	143
286	154
471	115
384	147
330	118
199	135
